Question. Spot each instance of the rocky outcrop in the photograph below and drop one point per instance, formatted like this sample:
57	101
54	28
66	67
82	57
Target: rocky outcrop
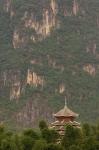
90	69
61	88
35	80
7	5
41	28
11	80
75	7
97	21
15	91
30	28
91	47
53	63
69	8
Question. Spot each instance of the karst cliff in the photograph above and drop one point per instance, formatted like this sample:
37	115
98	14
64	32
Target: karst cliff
49	49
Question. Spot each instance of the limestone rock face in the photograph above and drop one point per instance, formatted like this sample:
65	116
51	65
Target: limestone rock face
61	88
91	47
34	80
90	69
75	7
7	5
11	80
41	28
33	112
69	8
30	28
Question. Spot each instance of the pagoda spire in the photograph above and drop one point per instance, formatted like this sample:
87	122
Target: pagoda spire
66	112
65	101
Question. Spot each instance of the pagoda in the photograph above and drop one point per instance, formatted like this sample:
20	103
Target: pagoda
64	117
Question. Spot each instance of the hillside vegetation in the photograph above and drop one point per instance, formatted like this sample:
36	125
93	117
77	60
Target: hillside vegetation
49	49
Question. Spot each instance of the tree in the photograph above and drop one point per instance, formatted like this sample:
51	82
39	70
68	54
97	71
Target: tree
5	145
40	145
89	144
49	135
86	129
54	147
43	125
16	139
9	144
75	147
31	133
73	136
27	143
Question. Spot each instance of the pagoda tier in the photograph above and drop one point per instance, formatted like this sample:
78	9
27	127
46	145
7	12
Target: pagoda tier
59	126
64	117
65	114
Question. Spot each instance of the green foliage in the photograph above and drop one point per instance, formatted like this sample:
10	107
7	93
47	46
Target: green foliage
54	147
50	135
31	133
31	140
73	139
40	145
86	129
89	143
74	147
43	125
73	136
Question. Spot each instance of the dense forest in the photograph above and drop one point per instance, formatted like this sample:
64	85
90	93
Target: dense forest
84	138
49	49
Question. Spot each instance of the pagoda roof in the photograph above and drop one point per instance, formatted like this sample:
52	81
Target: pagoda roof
66	112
